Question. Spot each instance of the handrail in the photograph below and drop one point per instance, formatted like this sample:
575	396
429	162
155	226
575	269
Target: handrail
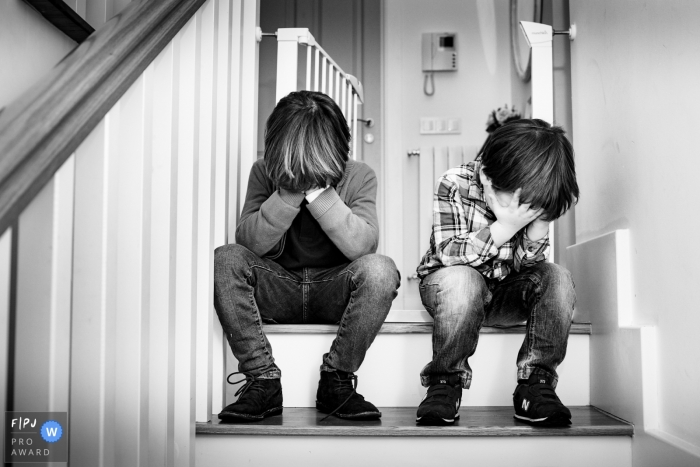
42	128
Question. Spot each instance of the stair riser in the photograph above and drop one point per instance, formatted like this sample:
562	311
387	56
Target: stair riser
261	451
389	377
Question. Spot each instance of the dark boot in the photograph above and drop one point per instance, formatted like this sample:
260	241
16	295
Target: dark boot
259	398
337	396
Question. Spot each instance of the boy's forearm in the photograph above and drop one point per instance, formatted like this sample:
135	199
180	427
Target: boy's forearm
353	234
261	230
501	233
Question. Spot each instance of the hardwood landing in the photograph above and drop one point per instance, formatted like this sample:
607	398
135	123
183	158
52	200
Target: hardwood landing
401	421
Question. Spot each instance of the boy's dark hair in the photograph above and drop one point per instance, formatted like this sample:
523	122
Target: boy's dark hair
307	141
535	156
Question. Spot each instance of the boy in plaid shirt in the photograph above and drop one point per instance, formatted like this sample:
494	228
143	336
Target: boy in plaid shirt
487	265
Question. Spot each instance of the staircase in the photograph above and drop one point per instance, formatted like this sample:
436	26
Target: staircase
109	214
486	433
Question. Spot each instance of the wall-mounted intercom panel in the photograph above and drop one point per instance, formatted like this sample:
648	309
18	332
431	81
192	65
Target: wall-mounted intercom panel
439	51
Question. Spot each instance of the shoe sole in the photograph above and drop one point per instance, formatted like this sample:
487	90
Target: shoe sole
244	417
433	420
357	416
554	420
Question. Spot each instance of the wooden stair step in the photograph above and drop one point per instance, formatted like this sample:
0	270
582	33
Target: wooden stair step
401	421
403	328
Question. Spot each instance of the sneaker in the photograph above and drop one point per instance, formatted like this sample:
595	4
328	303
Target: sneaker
258	399
337	395
441	403
536	403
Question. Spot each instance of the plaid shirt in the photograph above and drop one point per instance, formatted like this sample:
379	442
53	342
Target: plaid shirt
461	233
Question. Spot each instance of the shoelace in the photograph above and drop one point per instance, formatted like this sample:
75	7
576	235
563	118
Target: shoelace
354	391
247	377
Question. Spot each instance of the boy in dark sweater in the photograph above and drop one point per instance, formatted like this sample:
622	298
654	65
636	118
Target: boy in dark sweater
487	265
304	253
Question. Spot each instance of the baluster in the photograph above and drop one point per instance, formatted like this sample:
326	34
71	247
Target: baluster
94	297
205	215
308	68
133	163
162	254
355	136
343	99
185	292
5	285
337	87
316	64
227	104
331	89
324	73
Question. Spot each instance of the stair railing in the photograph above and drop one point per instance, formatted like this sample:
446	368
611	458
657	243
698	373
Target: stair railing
322	74
119	175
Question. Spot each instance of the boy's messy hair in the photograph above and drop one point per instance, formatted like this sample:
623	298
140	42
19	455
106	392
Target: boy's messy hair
535	156
307	141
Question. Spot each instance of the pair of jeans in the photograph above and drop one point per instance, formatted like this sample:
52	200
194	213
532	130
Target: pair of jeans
250	291
461	300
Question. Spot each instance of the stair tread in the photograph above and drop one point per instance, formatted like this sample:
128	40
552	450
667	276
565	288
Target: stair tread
403	328
401	421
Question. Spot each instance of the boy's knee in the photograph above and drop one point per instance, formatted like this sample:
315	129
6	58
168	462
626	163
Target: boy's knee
379	271
458	286
231	256
557	279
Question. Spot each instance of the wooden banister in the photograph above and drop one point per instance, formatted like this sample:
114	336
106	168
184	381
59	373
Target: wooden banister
42	128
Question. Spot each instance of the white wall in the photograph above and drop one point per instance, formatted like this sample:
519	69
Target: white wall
29	47
481	84
635	107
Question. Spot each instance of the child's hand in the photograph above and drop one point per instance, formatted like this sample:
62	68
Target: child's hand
511	218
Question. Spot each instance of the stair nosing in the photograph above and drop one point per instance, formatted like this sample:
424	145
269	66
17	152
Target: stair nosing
403	328
606	425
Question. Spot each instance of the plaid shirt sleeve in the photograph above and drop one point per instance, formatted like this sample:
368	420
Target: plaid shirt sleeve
460	227
529	253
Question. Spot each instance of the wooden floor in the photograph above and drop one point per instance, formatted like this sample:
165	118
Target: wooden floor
401	421
403	328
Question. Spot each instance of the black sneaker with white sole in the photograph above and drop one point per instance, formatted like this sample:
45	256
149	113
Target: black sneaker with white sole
536	403
441	403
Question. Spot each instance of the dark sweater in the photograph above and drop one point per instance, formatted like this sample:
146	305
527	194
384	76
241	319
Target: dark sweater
339	226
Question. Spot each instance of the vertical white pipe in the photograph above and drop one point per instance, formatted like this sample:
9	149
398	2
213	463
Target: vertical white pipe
324	73
316	64
308	68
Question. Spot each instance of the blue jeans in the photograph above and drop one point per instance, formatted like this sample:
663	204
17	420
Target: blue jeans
250	291
461	300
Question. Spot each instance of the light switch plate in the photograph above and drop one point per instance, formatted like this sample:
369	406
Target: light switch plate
440	126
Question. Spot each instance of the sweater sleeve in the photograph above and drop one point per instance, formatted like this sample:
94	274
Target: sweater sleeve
352	227
267	214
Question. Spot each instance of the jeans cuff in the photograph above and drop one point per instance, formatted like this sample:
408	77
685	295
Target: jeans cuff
271	374
525	372
328	368
465	379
